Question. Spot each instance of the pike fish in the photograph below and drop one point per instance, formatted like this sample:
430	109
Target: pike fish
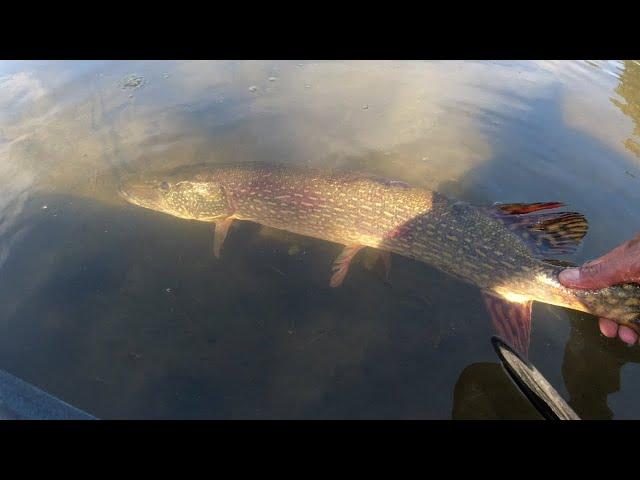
503	249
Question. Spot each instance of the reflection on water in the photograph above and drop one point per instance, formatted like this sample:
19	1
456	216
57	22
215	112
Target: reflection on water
629	89
485	392
126	313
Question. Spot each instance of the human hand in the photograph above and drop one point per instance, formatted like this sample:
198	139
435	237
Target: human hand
620	265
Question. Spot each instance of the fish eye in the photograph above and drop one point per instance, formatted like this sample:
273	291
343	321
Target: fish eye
164	186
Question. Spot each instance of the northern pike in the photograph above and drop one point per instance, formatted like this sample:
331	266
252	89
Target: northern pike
500	248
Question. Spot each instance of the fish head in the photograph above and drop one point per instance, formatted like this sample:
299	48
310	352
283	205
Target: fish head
191	198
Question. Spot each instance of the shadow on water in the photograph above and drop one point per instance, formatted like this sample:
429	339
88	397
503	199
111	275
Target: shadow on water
125	313
591	364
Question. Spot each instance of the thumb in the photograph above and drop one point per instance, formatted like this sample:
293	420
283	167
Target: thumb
570	277
592	275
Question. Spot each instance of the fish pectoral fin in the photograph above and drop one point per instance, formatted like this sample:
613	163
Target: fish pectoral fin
511	320
545	233
341	264
220	233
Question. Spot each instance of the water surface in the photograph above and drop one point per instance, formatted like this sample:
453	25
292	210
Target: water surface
125	312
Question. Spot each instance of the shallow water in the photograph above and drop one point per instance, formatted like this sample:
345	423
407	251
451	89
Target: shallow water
125	313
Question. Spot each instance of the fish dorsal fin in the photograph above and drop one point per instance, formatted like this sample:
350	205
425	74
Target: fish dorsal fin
511	321
522	208
545	233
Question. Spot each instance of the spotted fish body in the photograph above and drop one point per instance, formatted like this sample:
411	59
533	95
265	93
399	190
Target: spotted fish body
483	246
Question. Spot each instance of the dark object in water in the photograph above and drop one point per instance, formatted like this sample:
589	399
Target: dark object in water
532	384
22	401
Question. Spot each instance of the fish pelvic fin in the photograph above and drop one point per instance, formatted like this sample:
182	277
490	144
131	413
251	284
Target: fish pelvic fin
546	233
220	233
510	320
374	256
342	263
385	258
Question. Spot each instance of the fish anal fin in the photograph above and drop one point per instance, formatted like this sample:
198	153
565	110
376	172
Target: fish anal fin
220	233
511	320
342	263
522	208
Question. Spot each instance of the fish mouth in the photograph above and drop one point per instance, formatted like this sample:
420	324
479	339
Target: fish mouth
139	192
122	191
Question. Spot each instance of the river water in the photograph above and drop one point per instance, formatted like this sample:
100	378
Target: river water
125	313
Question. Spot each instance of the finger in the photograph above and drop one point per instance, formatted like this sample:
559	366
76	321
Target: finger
608	328
627	335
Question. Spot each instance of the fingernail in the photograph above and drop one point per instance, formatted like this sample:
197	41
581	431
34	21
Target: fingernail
570	275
